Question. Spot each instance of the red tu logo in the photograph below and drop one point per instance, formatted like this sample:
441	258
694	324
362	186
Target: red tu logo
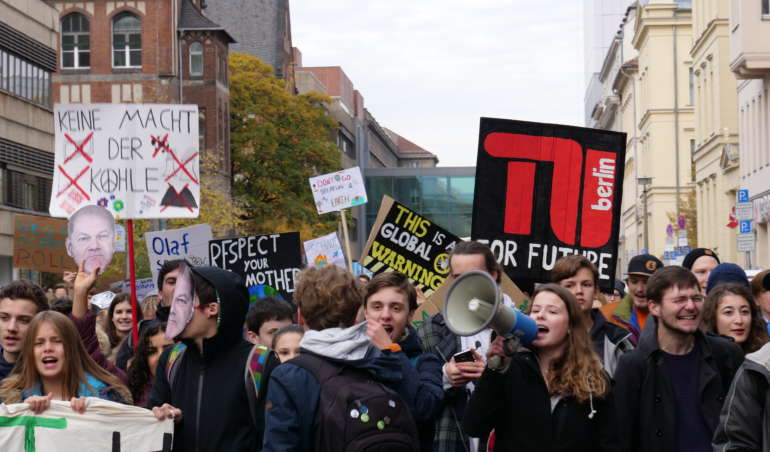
598	171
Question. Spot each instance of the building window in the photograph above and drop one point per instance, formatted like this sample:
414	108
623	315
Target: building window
126	41
75	42
765	7
692	86
25	191
196	59
24	79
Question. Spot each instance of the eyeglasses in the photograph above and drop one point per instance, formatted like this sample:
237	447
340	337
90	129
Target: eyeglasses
697	298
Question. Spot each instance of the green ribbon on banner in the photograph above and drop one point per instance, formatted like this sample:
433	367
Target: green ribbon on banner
29	423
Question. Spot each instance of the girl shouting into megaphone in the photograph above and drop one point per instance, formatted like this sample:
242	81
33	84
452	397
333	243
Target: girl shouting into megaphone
552	395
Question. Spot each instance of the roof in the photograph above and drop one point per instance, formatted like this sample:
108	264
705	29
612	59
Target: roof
408	148
191	18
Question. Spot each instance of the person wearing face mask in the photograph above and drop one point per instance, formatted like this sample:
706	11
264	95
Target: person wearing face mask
730	311
672	386
552	395
390	302
578	275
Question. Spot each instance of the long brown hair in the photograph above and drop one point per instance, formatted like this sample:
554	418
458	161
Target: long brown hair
578	371
77	362
757	336
110	329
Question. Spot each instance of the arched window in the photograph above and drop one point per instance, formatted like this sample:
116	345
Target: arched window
75	41
126	40
196	59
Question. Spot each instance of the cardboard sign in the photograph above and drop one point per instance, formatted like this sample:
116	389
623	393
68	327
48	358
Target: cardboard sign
544	191
337	191
268	263
191	243
39	244
136	160
105	426
404	241
144	287
325	250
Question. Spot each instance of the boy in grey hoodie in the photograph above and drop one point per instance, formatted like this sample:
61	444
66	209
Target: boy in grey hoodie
328	298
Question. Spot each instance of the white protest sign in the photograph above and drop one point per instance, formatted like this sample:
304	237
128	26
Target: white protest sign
105	426
136	160
337	191
120	238
144	288
325	250
103	299
191	243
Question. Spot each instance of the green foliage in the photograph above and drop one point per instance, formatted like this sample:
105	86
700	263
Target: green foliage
278	141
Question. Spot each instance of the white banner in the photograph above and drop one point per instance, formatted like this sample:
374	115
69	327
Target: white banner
136	160
144	287
337	191
103	427
325	250
191	243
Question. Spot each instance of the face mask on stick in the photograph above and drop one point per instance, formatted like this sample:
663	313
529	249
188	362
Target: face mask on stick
182	304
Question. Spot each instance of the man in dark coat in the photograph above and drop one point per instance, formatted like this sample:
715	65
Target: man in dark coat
669	390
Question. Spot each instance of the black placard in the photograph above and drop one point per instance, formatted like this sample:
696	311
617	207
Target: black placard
544	191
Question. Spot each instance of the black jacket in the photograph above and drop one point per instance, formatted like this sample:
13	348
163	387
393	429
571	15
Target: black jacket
645	399
610	341
517	405
209	387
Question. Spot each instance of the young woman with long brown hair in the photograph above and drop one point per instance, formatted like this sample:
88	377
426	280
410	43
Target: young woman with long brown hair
729	310
55	365
552	396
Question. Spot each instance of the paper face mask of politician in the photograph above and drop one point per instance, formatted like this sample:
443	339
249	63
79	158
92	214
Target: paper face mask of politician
182	304
91	237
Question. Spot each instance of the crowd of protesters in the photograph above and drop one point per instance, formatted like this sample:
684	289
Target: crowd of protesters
674	358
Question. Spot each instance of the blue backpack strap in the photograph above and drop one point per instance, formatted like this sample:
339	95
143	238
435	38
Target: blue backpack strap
172	364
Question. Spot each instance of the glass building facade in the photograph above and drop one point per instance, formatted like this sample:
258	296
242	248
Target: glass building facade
443	195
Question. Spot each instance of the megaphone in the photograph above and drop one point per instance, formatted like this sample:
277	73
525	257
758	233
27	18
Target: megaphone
474	302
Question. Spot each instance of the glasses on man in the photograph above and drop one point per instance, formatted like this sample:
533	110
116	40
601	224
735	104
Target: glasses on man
697	298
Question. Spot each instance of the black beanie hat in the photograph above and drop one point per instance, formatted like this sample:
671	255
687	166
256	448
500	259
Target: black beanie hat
693	255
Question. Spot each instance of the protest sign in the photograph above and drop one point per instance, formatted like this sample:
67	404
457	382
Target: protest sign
120	238
144	287
191	243
325	250
105	426
556	191
268	263
337	191
102	300
404	241
39	244
136	160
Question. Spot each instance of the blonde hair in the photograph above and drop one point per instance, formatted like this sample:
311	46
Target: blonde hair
77	364
578	371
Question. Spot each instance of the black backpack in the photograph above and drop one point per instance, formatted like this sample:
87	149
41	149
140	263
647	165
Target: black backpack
356	412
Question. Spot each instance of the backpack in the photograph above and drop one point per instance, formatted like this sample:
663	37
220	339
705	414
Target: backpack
356	412
255	373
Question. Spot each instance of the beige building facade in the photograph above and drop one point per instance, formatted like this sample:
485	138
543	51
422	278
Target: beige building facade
665	127
28	42
714	146
750	62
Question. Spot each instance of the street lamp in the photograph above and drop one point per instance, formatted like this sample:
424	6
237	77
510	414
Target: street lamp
645	182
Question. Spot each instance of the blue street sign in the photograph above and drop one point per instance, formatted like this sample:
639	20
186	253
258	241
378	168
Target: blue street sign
667	255
745	226
686	249
743	195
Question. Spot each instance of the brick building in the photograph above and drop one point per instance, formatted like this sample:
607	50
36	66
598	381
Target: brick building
163	51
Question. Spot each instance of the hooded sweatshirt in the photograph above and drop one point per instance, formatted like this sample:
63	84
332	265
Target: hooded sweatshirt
209	386
292	396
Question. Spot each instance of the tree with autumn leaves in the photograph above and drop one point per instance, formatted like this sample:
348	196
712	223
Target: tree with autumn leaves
278	141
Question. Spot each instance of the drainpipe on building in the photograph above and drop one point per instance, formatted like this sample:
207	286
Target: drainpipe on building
636	154
676	117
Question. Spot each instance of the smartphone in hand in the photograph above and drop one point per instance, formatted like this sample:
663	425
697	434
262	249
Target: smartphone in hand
464	357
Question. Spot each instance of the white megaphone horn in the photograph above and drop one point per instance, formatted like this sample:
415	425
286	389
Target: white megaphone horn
474	302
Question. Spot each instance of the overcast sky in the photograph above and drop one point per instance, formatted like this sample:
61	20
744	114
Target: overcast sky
429	69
